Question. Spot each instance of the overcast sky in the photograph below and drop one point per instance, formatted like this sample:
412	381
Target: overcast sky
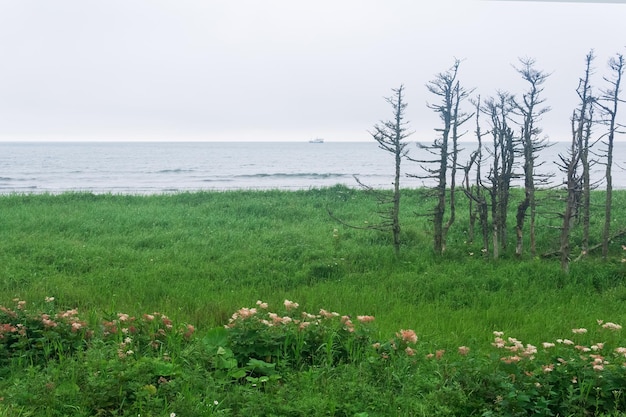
278	69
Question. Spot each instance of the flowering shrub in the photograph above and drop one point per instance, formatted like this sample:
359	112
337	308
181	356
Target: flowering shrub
560	377
145	335
295	338
126	365
40	336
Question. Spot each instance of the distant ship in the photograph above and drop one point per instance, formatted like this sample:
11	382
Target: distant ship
317	140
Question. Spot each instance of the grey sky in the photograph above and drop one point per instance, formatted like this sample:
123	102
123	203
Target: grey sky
277	69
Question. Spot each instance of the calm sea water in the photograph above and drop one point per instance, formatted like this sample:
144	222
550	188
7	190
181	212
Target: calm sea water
148	168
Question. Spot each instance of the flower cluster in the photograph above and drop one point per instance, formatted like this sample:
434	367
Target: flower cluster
592	356
302	321
42	335
514	346
48	334
404	341
146	334
295	337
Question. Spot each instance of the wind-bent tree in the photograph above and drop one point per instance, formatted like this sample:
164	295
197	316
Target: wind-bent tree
610	96
446	87
530	111
502	162
582	119
390	135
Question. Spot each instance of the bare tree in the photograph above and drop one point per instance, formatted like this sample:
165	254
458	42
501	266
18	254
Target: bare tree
390	136
582	119
530	111
502	162
610	96
446	87
474	190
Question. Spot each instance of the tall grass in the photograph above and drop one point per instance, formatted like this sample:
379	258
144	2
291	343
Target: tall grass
199	256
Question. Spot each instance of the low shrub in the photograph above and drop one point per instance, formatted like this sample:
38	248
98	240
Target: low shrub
59	364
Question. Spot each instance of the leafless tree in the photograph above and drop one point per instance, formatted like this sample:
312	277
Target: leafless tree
501	173
608	101
531	143
446	87
582	119
390	135
474	189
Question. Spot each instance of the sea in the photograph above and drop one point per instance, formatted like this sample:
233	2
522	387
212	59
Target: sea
172	167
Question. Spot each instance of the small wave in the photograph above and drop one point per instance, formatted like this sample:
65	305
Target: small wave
3	190
11	179
295	175
217	180
174	171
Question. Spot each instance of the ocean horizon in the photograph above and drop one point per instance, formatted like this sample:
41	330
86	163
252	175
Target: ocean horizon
167	167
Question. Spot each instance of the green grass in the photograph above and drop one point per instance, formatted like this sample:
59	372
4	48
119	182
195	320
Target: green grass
198	257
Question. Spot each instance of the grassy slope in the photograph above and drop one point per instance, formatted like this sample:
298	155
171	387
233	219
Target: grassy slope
199	256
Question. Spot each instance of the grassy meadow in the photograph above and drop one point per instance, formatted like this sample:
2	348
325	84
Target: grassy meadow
199	257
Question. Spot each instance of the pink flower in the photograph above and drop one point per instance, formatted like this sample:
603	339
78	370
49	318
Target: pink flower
498	343
290	305
246	312
261	304
611	326
189	332
326	314
498	334
376	345
7	328
621	350
463	350
547	345
439	353
579	331
365	319
166	321
47	322
408	336
122	316
276	319
49	299
511	359
409	351
548	368
597	359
